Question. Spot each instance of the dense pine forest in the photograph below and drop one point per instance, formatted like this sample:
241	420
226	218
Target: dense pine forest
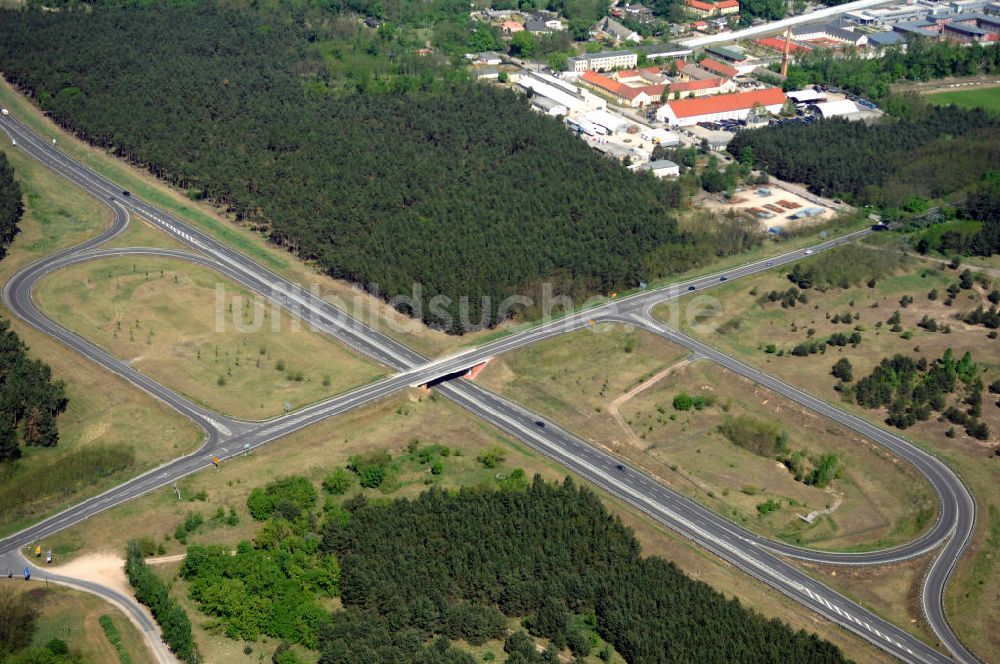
922	60
454	186
11	205
934	153
29	399
416	576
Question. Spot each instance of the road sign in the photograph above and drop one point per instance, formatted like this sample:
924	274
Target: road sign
215	461
38	551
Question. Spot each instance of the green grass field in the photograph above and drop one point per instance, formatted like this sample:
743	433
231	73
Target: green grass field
163	316
73	616
624	405
986	98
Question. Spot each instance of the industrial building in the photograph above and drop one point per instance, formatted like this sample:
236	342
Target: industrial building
626	95
735	106
829	32
562	93
603	61
609	122
734	56
660	136
639	13
840	108
661	168
807	96
877	40
718	68
548	106
664	51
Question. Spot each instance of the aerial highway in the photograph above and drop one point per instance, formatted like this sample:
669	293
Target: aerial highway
226	437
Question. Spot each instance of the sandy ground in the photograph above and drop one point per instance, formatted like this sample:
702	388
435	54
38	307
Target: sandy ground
106	569
748	197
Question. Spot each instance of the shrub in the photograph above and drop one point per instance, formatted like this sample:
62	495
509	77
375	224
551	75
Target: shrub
760	437
338	482
768	506
843	370
371	468
492	457
153	592
683	401
291	495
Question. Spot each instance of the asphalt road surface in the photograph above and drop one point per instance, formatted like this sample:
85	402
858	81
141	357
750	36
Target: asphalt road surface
226	437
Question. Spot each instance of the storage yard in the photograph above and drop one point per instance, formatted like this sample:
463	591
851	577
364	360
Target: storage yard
774	206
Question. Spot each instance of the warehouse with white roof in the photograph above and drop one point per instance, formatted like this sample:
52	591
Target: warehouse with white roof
832	109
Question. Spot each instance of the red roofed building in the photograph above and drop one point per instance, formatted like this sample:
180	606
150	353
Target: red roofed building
623	94
700	8
778	44
734	106
719	68
706	9
726	7
700	88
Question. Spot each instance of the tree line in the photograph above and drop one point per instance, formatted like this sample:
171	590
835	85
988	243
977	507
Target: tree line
11	204
921	60
30	400
937	152
462	190
547	553
150	590
415	576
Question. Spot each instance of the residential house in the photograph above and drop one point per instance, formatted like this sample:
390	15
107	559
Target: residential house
639	13
617	31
